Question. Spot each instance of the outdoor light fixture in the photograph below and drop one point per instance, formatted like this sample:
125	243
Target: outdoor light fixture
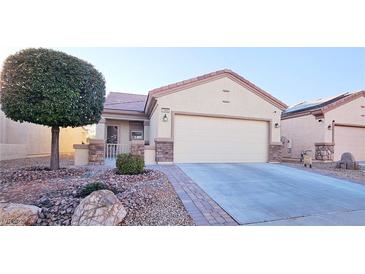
164	118
329	127
320	120
276	125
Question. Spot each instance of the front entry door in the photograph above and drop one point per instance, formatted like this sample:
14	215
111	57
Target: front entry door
112	138
112	134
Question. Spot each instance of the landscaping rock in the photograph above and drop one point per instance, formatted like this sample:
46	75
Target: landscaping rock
101	207
149	198
347	162
18	214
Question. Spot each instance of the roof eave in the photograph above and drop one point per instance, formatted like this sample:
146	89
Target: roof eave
324	109
120	111
156	93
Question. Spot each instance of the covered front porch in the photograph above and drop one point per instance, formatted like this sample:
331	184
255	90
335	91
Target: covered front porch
123	132
123	128
118	134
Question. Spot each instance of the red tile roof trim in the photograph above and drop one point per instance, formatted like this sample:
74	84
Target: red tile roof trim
142	103
343	101
165	89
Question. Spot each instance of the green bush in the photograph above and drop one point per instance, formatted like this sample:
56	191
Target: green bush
129	164
91	187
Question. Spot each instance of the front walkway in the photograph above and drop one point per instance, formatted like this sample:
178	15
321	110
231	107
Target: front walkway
199	205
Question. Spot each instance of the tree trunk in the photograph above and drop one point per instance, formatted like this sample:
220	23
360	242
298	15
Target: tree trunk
55	158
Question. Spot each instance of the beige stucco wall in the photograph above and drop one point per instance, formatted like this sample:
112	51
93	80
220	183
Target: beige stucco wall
149	155
348	139
303	132
349	113
154	121
70	136
81	156
207	98
12	151
19	140
100	131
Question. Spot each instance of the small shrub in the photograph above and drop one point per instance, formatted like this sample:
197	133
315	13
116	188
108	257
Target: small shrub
129	164
90	188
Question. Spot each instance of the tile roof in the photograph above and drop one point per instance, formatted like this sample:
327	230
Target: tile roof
136	102
167	88
125	101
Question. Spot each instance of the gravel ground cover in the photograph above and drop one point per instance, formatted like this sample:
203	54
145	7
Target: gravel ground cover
149	197
66	160
331	170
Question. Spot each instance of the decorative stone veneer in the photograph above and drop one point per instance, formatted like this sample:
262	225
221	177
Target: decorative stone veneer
324	151
137	147
164	151
275	151
96	151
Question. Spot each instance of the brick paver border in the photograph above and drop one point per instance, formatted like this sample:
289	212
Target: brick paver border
203	209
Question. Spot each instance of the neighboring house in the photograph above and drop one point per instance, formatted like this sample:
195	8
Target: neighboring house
217	117
328	127
22	140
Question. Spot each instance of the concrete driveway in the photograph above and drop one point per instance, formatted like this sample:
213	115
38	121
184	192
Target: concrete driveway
273	194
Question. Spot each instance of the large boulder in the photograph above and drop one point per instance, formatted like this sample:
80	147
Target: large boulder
18	214
347	161
101	207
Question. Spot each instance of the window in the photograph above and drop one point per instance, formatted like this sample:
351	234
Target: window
137	135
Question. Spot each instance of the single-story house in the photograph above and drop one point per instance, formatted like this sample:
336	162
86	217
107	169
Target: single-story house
217	117
23	140
328	127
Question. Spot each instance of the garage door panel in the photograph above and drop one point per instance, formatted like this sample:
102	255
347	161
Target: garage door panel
211	140
350	139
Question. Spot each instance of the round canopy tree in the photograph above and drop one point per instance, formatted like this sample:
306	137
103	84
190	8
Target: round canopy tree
51	88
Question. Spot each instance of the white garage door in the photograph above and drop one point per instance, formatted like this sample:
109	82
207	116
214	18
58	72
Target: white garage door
219	140
350	139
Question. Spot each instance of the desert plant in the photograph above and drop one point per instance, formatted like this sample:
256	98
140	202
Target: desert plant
91	187
51	88
129	164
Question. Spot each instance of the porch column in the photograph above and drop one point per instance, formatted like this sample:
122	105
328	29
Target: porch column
275	150
100	130
96	151
137	147
146	131
164	150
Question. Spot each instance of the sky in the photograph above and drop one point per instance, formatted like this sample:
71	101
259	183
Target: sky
290	74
